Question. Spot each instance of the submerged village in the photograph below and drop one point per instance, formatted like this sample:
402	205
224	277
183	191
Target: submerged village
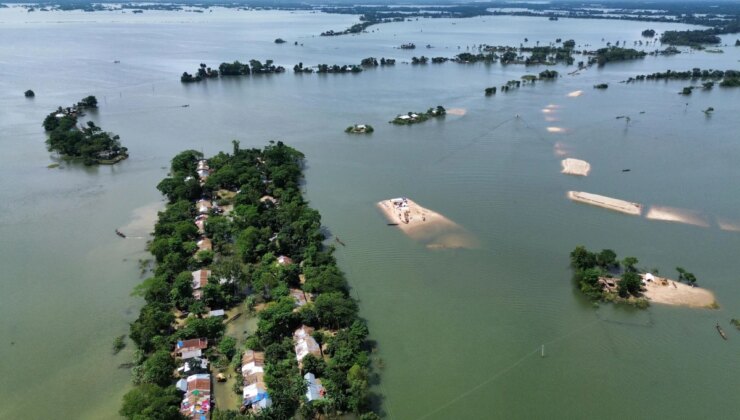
236	227
244	312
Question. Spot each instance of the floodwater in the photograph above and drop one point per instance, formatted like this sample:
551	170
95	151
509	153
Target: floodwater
459	331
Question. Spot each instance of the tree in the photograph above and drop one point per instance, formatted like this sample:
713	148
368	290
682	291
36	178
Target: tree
227	347
335	310
630	263
607	259
182	290
158	368
629	284
581	258
149	401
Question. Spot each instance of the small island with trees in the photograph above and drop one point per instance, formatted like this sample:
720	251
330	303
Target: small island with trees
359	129
88	143
29	93
419	117
602	277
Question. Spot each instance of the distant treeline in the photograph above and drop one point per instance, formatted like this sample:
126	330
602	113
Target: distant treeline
729	78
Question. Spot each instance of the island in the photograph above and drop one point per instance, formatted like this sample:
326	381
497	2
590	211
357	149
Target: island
359	129
88	143
236	68
419	117
29	93
238	238
602	277
575	167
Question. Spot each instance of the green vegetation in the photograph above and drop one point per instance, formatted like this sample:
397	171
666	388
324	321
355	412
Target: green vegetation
735	322
372	62
415	118
280	41
490	91
727	78
119	343
610	54
89	143
548	75
601	86
325	68
599	276
684	275
690	38
232	69
648	33
247	242
29	93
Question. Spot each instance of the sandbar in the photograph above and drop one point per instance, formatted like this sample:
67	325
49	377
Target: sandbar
670	214
556	129
575	94
728	225
426	225
457	111
634	209
670	292
575	167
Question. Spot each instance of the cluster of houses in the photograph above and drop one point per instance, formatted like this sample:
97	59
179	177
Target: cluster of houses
305	344
196	379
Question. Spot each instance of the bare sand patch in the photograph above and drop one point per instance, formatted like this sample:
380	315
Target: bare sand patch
552	129
457	111
670	214
575	167
426	225
627	207
670	292
728	225
551	119
561	149
575	94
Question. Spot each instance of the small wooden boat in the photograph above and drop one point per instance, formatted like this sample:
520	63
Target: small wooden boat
233	317
339	241
721	332
186	105
626	170
119	233
392	224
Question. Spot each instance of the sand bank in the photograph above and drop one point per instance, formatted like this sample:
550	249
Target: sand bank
575	167
670	214
426	225
575	94
728	225
669	292
561	149
457	111
626	207
552	129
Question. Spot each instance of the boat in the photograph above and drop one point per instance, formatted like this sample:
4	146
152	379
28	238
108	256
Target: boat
119	233
721	332
392	224
339	241
626	170
186	105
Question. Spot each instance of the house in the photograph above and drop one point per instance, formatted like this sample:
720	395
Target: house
216	312
284	260
314	389
205	244
253	363
200	221
256	396
196	403
203	206
305	344
200	279
403	117
202	164
268	199
299	296
188	349
193	365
